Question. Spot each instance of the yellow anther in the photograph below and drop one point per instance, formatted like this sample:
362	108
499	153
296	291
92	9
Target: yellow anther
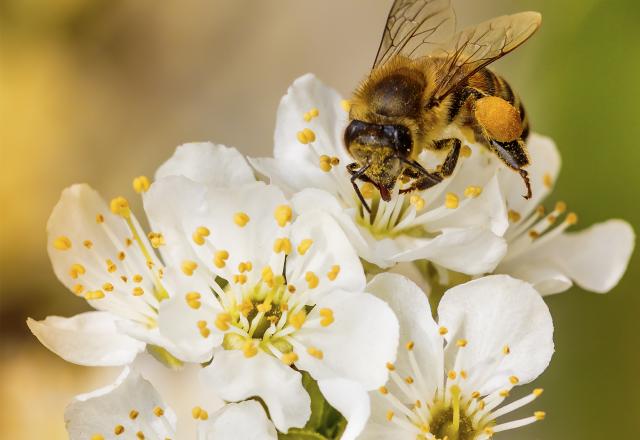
289	358
534	234
540	210
307	117
120	206
246	307
417	404
572	218
96	294
390	415
284	307
514	216
417	202
195	412
504	393
88	244
409	345
514	380
367	190
245	266
408	380
335	161
475	394
205	332
156	239
240	278
267	274
111	267
547	180
304	246
193	300
309	134
316	353
325	163
383	390
297	319
346	105
241	219
197	239
203	231
291	288
108	287
451	200
488	431
443	331
137	291
204	415
265	306
62	243
462	342
561	207
506	350
76	270
472	192
133	414
188	267
97	437
312	280
137	278
327	317
222	321
282	245
279	280
314	112
128	242
123	278
481	404
302	138
283	215
121	256
390	366
220	258
140	435
99	218
539	415
465	151
141	184
333	273
201	324
452	375
538	392
159	412
249	349
78	289
463	374
119	429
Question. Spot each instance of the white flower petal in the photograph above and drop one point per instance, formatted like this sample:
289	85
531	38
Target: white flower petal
411	306
104	411
85	235
214	165
544	277
234	377
471	251
90	338
238	421
494	312
357	345
351	400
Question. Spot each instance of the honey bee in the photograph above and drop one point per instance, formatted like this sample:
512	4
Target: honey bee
427	78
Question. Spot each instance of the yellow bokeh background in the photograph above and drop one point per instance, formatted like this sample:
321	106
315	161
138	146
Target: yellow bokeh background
101	91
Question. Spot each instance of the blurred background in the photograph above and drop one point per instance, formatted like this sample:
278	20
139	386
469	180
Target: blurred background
102	91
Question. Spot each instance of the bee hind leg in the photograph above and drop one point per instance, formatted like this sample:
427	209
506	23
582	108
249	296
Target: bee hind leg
453	145
514	155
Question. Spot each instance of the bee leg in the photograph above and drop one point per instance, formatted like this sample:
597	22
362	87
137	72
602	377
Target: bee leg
422	179
450	162
514	155
359	174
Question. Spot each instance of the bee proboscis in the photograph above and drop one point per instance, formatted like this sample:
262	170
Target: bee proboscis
426	78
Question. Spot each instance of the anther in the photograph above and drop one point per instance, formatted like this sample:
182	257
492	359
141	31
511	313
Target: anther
241	219
452	375
159	412
368	190
199	413
108	287
282	245
96	294
283	215
572	218
327	317
390	366
289	358
111	267
219	258
333	273
304	246
472	192
462	342
443	331
539	415
99	218
409	345
514	216
133	414
417	202
240	278
137	278
390	415
506	350
249	349
538	392
121	256
156	239
561	207
383	390
76	270
193	300
514	380
408	380
141	184
120	206
547	180
297	319
137	291
316	353
325	163
119	429
465	151
88	244
504	393
188	267
451	200
222	321
62	243
78	289
97	437
312	280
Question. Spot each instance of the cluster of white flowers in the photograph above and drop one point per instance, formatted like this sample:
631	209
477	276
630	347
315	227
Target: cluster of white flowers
268	282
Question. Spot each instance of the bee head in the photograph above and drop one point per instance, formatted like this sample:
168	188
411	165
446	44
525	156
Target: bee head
381	149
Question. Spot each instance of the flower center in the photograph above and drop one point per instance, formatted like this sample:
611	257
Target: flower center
452	422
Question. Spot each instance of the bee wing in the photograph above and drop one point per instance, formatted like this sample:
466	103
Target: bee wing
478	46
415	28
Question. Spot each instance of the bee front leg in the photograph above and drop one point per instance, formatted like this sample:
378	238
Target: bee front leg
422	179
453	145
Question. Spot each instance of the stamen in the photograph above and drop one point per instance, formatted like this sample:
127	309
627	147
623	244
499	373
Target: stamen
62	243
304	246
220	258
193	300
327	317
282	245
312	280
120	206
141	184
472	192
188	267
289	358
248	349
119	429
451	200
159	412
316	353
283	215
325	163
346	105
547	180
241	219
333	273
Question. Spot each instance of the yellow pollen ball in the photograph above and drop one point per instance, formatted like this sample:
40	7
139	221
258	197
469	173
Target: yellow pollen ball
141	184
462	342
99	218
283	215
241	219
156	238
312	280
514	380
315	352
137	278
78	289
282	245
561	207
408	380
327	317
120	206
140	435
472	192
383	390
88	244
538	392
451	200
62	243
572	218
289	358
197	239
547	180
335	161
195	412
409	345
390	415
390	366
111	267
417	202
309	134
119	429
108	287
188	267
220	258
121	256
304	246
506	350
